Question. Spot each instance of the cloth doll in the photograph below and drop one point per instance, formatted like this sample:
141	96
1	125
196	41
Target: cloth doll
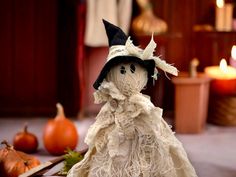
129	137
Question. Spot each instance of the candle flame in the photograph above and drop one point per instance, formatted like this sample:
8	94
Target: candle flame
223	65
220	3
233	52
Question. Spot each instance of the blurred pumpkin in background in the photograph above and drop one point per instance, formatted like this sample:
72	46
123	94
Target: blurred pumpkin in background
25	141
60	133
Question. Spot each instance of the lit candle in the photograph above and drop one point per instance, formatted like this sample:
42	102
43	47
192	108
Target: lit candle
224	16
223	78
232	60
219	21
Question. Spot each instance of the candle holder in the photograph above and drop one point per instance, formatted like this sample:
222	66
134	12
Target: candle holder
222	103
222	110
191	102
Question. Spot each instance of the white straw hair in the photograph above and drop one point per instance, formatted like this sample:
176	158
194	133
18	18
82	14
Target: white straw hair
129	49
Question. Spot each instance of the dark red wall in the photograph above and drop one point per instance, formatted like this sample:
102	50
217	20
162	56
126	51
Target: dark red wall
38	40
41	51
28	56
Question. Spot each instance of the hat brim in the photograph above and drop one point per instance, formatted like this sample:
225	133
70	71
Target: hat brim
149	65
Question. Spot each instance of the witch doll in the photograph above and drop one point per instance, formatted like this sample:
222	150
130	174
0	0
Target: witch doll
129	137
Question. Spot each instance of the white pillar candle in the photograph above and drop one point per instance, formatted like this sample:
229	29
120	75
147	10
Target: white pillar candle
228	17
232	60
219	20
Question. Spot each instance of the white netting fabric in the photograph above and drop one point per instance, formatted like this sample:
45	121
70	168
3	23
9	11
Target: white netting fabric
129	137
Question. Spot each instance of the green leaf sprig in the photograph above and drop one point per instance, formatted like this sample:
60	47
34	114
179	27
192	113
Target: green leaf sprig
71	158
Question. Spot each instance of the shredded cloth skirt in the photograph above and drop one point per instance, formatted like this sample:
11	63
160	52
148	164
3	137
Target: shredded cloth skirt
131	139
137	148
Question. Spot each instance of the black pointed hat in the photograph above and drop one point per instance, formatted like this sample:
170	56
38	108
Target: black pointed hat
115	35
118	53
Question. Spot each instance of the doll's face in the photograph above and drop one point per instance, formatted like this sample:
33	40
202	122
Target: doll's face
129	78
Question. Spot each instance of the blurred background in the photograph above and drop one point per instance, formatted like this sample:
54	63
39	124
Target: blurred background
53	50
45	57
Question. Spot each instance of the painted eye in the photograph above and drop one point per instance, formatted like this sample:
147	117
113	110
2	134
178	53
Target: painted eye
122	70
132	68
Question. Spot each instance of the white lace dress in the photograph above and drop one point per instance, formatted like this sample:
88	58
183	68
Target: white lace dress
131	139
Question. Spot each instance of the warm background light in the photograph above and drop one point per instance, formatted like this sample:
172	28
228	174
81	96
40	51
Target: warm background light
220	3
223	78
223	65
221	72
233	52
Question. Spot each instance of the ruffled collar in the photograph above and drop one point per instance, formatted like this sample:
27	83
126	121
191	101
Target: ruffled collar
106	92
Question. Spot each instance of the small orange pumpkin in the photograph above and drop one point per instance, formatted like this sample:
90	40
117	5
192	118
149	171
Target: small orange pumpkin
25	141
14	163
60	133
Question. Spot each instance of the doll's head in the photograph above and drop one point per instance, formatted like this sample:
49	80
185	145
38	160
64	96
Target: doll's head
129	67
129	77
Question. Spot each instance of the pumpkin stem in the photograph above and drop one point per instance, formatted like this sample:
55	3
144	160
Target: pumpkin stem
26	163
60	111
8	146
25	130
